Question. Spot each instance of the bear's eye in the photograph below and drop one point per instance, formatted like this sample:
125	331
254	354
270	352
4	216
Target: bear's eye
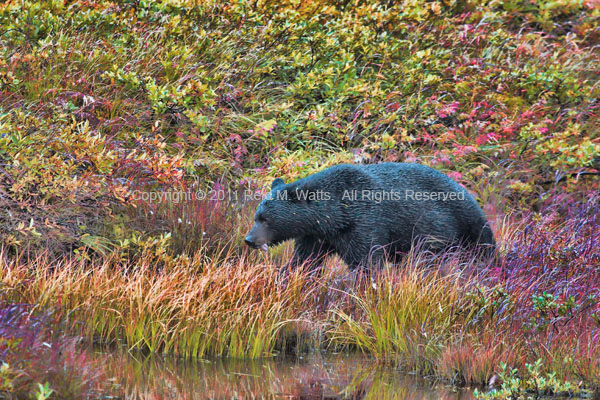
261	219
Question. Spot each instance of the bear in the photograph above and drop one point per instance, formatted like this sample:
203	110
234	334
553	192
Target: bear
369	213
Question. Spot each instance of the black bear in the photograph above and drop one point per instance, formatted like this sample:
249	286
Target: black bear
365	213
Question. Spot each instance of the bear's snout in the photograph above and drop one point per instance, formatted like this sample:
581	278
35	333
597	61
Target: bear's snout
250	242
258	237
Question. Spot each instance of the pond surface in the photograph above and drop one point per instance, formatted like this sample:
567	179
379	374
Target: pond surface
342	376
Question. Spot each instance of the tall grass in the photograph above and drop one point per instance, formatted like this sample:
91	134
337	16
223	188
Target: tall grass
234	309
406	315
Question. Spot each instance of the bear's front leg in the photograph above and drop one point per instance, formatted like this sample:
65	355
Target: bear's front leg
365	261
310	252
358	250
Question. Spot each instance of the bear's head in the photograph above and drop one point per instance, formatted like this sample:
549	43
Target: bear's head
285	213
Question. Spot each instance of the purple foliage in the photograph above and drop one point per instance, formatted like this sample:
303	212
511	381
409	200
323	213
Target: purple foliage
552	267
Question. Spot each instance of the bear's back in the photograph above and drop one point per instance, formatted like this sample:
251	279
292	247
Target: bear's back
410	174
459	210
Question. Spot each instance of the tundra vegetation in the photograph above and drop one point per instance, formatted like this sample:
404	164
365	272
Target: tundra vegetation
104	103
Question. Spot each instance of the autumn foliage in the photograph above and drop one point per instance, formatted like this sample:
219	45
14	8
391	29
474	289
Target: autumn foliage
103	103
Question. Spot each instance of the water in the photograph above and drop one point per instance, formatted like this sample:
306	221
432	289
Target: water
342	376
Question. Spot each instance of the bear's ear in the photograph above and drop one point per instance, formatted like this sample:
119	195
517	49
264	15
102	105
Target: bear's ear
295	195
301	193
277	182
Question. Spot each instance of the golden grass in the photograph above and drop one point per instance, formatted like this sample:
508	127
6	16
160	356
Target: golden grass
228	309
197	309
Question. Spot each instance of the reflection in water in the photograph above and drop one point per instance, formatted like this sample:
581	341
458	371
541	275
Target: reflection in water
311	377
